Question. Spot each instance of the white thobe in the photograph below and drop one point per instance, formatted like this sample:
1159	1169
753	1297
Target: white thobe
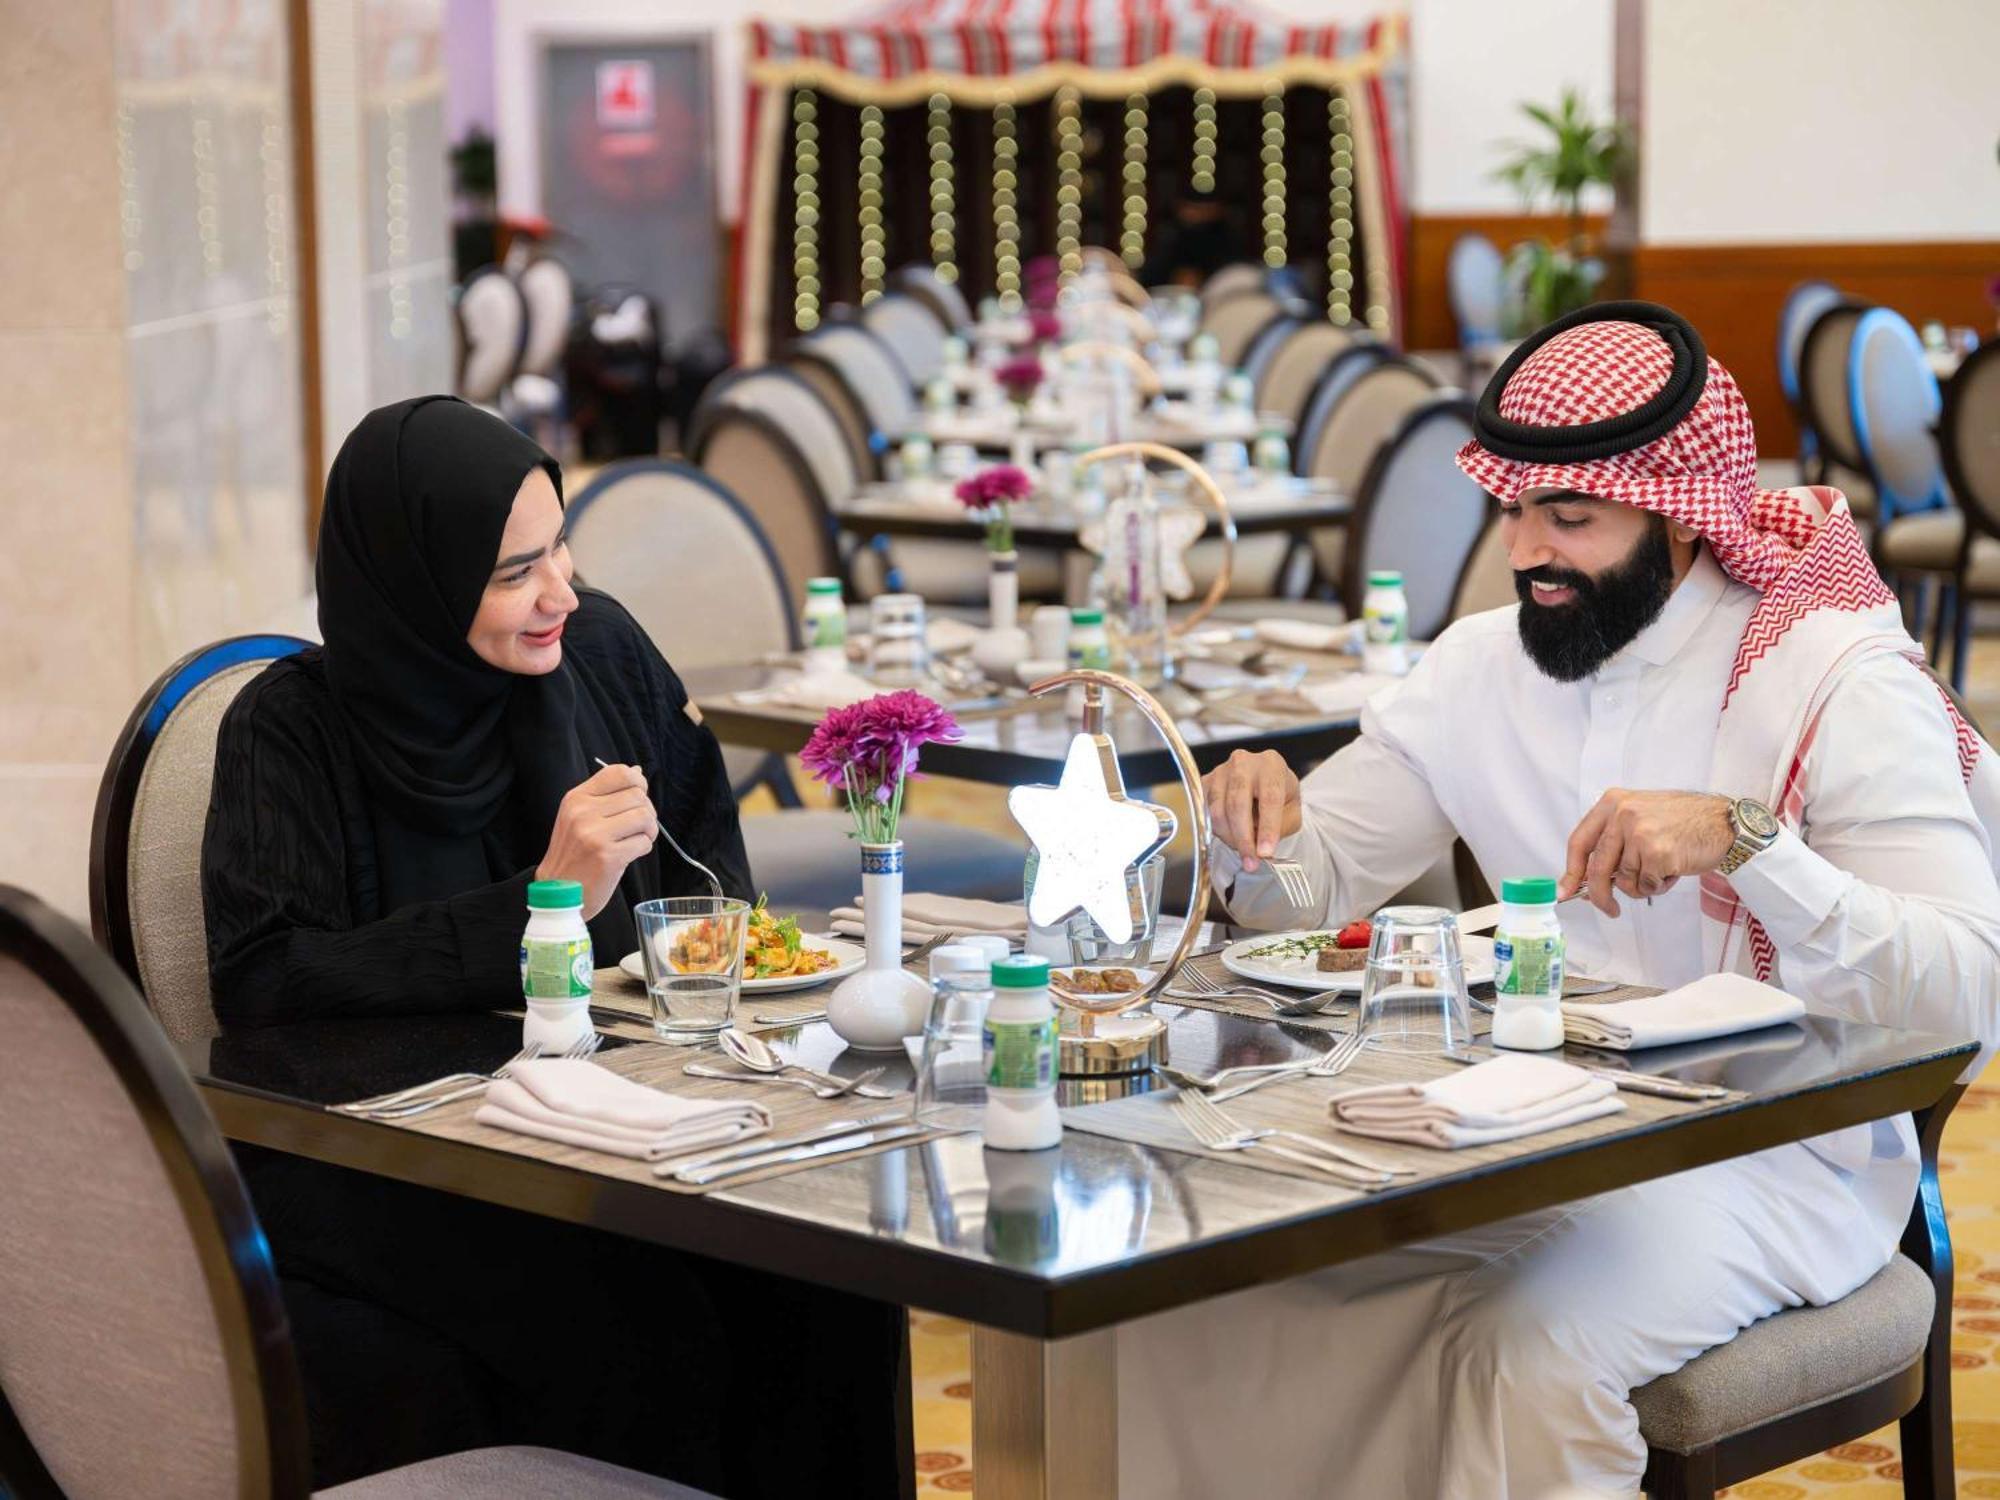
1498	1363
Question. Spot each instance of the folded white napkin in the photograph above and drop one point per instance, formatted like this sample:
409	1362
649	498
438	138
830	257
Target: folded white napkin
1304	635
1513	1095
816	690
1346	693
925	916
946	634
1714	1005
576	1102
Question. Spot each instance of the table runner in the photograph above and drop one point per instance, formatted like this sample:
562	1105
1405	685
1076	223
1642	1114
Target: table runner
1303	1104
791	1110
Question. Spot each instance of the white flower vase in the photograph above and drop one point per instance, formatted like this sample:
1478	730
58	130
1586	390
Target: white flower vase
1004	645
873	1009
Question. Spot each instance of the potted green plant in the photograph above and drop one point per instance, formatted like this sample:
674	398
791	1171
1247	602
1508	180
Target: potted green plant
1572	153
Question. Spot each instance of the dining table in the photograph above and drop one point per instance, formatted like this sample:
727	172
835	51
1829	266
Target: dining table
1046	1254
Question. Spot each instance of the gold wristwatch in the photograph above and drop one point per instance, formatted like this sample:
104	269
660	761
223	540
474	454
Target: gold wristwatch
1756	829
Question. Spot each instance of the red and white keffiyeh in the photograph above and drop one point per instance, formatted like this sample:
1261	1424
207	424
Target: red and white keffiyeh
1824	605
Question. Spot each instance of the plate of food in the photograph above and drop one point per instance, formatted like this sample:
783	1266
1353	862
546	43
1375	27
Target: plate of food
1100	979
1330	959
776	955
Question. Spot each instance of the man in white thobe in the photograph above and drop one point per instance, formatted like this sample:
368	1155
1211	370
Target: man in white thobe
1700	677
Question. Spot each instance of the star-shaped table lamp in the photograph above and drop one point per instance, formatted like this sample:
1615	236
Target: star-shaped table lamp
1090	838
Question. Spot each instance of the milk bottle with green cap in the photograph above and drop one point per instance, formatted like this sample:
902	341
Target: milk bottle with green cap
825	626
556	965
1018	1047
1528	965
1385	625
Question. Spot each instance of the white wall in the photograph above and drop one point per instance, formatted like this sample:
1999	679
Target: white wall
1828	120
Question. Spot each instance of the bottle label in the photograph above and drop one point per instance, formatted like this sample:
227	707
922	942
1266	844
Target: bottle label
826	628
1528	965
1384	624
556	968
1019	1054
1095	655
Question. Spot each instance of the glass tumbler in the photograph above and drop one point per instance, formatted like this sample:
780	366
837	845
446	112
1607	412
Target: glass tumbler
951	1076
692	947
897	653
1090	944
1413	996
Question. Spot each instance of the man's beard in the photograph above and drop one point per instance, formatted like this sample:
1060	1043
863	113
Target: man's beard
1570	641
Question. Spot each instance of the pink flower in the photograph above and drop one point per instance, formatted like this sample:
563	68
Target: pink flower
1020	377
996	485
1044	326
870	749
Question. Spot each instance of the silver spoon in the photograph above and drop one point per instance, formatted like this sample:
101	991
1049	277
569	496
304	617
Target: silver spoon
714	885
758	1055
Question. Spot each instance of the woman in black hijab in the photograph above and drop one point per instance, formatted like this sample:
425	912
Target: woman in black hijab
380	804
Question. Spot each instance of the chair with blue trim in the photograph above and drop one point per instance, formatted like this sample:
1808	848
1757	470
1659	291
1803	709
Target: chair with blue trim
912	329
145	838
147	1350
1476	283
1803	304
1969	434
1894	397
689	560
1825	398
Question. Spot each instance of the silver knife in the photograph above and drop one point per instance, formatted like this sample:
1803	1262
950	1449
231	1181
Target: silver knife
701	1176
1631	1083
762	1144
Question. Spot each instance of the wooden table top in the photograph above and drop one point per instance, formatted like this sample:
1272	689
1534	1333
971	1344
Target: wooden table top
1114	1230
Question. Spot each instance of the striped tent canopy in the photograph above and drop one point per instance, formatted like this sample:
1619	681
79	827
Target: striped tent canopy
985	53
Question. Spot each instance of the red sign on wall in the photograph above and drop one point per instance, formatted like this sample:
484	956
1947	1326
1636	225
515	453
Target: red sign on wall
625	95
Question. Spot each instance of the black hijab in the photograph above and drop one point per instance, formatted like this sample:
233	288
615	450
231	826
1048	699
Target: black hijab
465	763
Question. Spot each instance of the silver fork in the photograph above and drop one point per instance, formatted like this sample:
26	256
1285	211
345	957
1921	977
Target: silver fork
1192	983
923	949
714	885
405	1096
1293	882
1218	1132
583	1046
1205	1108
1338	1059
856	1085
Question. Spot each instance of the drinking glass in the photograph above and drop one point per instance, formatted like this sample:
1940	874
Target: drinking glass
1090	944
951	1075
897	652
692	947
1413	991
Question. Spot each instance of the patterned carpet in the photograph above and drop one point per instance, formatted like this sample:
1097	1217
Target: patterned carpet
1869	1469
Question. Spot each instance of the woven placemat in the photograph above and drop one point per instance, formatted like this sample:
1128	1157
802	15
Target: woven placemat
660	1067
1337	1017
1304	1105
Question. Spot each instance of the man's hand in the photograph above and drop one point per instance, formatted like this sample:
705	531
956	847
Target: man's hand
1253	801
1640	843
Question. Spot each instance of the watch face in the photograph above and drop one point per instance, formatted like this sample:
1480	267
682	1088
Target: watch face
1756	819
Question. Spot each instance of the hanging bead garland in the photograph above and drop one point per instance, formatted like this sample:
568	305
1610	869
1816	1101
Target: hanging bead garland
874	259
805	217
128	192
1069	181
1340	212
944	248
1006	220
1203	176
1132	242
271	153
1273	157
207	197
396	220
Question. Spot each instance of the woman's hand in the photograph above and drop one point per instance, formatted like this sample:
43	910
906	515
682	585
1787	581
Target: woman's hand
601	827
1253	801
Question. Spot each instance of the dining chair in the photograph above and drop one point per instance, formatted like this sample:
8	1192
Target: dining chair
1807	1378
1475	282
917	334
1240	276
1263	348
1295	367
1487	579
549	295
1366	413
858	372
144	1348
1824	396
1330	383
1802	305
689	560
1969	440
1893	395
944	298
1234	320
768	438
1416	512
145	835
492	322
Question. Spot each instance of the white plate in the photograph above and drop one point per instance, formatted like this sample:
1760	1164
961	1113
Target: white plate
1300	973
848	957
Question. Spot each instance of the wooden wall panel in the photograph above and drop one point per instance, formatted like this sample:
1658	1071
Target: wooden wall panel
1733	293
1429	324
